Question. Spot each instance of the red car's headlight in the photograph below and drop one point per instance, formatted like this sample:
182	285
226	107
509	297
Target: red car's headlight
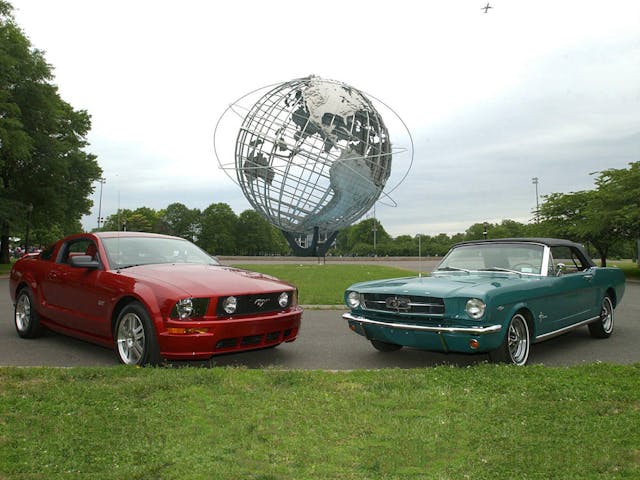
190	308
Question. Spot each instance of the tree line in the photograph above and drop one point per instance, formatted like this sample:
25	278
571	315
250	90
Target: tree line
606	219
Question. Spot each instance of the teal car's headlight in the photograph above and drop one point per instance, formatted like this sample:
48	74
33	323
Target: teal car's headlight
475	308
353	299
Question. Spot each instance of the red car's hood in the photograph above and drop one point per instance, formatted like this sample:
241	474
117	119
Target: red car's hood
206	280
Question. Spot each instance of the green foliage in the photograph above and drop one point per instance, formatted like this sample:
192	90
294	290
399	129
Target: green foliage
181	221
481	422
42	140
218	229
603	217
256	236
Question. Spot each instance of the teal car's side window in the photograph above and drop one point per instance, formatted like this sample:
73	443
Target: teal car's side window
568	258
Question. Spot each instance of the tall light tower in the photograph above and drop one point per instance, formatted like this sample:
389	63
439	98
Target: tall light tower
375	230
102	182
534	180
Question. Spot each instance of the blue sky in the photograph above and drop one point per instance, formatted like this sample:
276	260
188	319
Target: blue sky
531	89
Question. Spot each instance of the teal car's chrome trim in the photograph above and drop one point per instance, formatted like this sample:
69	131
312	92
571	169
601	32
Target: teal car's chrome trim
561	331
423	328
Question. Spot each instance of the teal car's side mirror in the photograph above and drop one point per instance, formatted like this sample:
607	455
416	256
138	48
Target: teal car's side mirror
560	269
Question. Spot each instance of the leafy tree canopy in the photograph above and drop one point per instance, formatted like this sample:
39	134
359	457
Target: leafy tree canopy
44	168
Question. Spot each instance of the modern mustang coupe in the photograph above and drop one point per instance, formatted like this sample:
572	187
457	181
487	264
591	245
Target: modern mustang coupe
495	296
151	297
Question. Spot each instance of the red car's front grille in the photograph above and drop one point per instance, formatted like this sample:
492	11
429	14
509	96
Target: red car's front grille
255	304
253	340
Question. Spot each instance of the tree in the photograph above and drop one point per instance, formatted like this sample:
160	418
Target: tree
43	166
362	234
182	221
252	230
218	229
619	196
581	217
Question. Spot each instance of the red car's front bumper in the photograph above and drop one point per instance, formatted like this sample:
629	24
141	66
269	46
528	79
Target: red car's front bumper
180	340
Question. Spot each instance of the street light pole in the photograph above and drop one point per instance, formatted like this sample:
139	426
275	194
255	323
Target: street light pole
102	182
375	231
534	180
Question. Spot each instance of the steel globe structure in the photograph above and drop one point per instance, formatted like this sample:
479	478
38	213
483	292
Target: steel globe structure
312	156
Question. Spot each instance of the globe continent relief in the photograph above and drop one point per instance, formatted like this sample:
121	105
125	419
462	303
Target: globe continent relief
312	155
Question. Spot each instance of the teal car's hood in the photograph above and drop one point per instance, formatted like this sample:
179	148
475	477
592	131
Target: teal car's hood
444	286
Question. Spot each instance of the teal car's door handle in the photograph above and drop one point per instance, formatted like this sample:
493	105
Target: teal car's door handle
588	276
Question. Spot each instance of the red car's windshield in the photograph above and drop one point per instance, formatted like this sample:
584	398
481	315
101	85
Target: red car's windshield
126	251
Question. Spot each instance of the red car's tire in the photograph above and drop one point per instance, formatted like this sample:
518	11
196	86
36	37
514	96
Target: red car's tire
25	316
135	337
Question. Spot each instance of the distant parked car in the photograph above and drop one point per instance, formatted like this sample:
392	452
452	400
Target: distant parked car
495	296
151	297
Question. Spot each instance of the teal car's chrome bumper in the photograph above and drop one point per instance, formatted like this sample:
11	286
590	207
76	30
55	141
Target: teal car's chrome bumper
463	339
423	328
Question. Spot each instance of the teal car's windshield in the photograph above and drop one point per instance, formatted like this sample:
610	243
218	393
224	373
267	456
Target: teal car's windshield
126	252
525	258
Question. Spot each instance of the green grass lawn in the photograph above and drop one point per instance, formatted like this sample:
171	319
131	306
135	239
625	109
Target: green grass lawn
325	284
481	422
630	269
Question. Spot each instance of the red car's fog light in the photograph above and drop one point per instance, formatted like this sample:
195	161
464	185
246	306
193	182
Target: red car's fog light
474	344
187	331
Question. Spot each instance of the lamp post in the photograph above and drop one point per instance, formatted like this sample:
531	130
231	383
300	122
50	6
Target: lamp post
102	182
26	237
375	231
534	180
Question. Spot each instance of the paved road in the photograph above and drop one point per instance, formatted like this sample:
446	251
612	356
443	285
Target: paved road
325	342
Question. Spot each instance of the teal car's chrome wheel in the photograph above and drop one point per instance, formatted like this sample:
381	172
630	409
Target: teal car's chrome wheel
518	338
603	327
516	344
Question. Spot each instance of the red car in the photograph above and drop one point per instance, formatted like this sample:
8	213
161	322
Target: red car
151	297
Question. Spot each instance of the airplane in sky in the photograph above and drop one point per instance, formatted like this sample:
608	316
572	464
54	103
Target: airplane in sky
486	9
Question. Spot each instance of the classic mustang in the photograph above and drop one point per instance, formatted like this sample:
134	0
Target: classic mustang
152	297
495	296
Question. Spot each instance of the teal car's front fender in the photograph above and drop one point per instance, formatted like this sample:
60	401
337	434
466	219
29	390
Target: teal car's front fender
463	339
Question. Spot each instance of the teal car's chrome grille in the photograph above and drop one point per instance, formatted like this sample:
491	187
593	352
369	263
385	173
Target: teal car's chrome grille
404	303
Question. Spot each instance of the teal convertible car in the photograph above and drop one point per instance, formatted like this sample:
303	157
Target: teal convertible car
495	296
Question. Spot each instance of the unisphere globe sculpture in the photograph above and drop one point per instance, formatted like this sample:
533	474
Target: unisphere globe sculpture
312	156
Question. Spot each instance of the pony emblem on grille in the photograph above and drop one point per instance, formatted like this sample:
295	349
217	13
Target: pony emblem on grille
260	302
397	303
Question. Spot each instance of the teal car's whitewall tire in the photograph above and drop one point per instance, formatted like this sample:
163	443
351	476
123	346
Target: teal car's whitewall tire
603	327
516	346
